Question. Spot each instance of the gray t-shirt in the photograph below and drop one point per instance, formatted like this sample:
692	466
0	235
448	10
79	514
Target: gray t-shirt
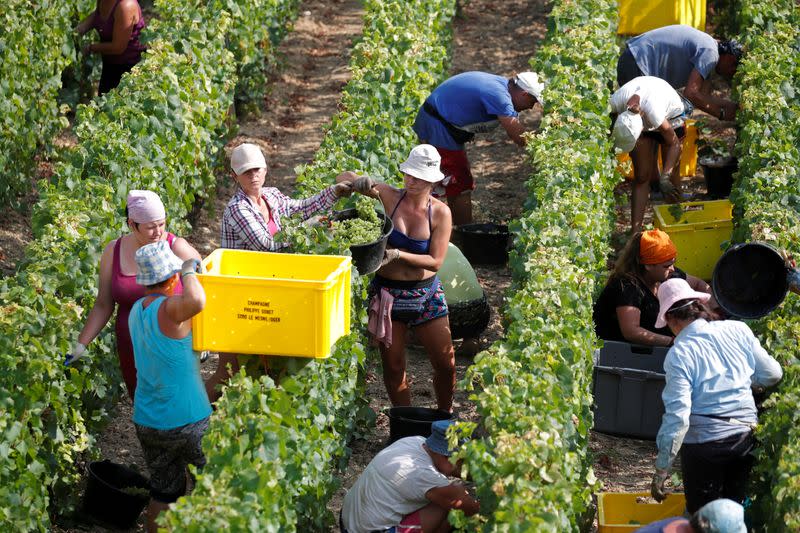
671	52
394	484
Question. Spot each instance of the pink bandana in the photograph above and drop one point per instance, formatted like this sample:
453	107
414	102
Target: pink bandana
145	206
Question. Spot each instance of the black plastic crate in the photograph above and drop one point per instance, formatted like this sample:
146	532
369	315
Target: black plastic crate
636	356
627	402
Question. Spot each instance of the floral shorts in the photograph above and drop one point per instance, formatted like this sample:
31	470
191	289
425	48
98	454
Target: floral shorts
415	302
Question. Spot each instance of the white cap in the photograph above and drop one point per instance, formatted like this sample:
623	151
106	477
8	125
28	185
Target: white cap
247	156
529	82
423	163
627	129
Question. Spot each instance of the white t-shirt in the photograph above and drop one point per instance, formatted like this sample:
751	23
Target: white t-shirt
393	485
657	100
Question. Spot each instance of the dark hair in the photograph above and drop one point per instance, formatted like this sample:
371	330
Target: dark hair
689	309
128	216
731	47
159	284
628	265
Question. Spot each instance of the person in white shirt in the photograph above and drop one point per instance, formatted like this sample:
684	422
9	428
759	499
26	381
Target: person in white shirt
650	114
407	487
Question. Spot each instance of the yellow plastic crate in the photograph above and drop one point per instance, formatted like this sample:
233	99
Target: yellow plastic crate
639	16
619	512
698	234
688	162
274	304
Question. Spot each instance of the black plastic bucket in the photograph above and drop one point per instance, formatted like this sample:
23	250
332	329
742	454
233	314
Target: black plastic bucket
750	280
106	498
367	257
483	244
468	319
413	421
718	174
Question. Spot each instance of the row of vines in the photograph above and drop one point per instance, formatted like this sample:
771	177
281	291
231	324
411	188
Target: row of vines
532	388
273	450
162	129
767	208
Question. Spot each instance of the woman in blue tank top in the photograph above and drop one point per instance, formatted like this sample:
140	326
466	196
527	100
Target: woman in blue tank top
406	290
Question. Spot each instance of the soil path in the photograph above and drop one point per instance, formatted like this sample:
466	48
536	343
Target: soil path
304	95
492	37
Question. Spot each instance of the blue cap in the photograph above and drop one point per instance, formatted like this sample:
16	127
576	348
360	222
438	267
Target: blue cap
722	516
437	442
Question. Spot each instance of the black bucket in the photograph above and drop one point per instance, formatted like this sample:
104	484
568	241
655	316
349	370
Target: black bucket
115	494
468	319
750	280
413	421
367	257
483	244
718	174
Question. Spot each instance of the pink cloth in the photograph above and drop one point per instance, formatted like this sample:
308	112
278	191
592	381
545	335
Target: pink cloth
145	206
380	317
272	227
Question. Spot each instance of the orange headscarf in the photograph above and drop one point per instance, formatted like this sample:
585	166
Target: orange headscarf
656	247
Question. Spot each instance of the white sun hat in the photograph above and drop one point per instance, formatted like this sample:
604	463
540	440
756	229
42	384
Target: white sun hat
247	156
423	163
627	129
530	83
672	291
156	262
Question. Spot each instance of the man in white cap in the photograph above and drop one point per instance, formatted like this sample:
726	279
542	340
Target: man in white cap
466	104
171	407
718	516
650	113
709	411
407	488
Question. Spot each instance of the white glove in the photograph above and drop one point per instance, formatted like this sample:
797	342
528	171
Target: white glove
77	352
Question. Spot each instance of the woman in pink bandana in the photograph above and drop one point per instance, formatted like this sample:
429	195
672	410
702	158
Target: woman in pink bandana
117	286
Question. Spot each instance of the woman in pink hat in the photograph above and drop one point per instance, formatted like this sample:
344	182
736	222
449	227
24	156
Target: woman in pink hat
406	290
117	285
709	411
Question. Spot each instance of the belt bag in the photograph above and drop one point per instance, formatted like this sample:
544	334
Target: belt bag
410	308
460	136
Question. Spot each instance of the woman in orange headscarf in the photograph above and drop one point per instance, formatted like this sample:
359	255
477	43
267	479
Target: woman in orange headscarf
628	306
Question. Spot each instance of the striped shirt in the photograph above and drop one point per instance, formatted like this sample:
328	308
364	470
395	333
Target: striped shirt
244	227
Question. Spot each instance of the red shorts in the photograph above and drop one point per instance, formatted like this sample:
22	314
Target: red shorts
457	176
411	523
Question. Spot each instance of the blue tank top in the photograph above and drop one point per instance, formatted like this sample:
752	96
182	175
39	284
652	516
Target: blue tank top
398	239
169	390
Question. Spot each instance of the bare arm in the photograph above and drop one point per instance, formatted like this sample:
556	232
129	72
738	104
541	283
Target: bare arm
513	128
698	92
86	24
454	496
103	306
673	147
184	250
179	309
629	318
125	18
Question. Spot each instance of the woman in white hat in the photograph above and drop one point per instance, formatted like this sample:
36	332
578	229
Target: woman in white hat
709	409
407	280
117	286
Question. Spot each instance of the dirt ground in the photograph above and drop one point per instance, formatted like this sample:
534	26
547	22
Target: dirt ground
489	36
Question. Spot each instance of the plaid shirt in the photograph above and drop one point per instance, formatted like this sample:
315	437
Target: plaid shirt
244	227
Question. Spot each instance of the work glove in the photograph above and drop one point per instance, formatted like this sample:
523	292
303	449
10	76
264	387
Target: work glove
364	185
657	490
191	266
343	189
671	194
77	352
389	256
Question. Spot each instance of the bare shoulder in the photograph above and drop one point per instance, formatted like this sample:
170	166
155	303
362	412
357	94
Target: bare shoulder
441	210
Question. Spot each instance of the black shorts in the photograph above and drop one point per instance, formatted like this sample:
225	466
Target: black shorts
680	132
627	69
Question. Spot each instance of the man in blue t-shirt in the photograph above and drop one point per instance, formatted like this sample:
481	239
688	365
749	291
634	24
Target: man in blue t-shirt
466	104
685	58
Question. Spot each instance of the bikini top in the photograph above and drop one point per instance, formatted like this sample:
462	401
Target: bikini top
398	239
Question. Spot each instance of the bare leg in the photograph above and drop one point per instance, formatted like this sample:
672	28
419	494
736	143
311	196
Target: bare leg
645	170
434	519
154	508
394	366
221	375
435	337
461	208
